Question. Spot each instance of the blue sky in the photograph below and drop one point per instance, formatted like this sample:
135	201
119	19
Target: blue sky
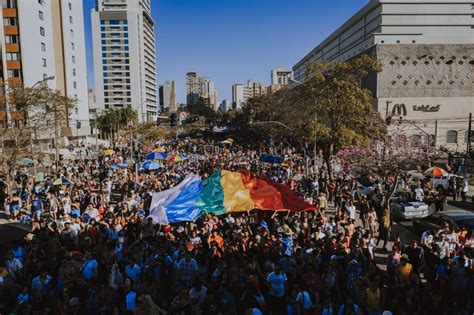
232	41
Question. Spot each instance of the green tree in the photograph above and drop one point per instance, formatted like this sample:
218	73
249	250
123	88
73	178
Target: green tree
342	109
36	112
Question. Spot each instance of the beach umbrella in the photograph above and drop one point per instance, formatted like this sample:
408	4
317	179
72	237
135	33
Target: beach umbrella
159	150
25	162
150	165
62	181
177	158
271	158
156	156
10	232
108	152
436	171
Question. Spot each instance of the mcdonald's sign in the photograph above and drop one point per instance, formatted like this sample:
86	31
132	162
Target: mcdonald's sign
399	109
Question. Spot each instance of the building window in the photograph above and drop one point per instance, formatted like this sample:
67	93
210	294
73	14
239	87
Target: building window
9	21
451	136
44	62
45	76
12	39
41	31
72	33
13	56
74	72
43	47
73	59
72	46
70	19
75	84
40	14
69	5
41	2
9	4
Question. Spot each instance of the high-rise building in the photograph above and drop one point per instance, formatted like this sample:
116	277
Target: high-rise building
125	57
254	89
237	96
426	50
242	93
224	106
200	88
281	76
45	39
168	97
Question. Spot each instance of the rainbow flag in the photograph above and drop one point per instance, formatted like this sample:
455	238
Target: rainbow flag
222	192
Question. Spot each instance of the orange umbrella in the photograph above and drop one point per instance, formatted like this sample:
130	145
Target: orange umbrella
160	150
436	171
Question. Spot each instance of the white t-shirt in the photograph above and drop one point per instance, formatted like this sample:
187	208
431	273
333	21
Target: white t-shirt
277	284
352	212
419	194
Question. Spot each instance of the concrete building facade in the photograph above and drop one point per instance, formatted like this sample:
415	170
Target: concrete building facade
45	40
242	93
198	88
281	76
168	97
426	48
125	56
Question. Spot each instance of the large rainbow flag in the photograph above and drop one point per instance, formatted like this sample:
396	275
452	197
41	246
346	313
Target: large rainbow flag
222	192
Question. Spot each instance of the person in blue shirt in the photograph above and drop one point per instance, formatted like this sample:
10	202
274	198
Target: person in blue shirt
89	268
37	206
133	271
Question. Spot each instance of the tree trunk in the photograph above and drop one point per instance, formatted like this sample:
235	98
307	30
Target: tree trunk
327	158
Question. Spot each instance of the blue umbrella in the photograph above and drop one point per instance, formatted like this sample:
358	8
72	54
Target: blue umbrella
271	158
117	166
156	156
150	165
62	181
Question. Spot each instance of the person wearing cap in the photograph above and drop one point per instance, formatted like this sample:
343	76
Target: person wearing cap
404	271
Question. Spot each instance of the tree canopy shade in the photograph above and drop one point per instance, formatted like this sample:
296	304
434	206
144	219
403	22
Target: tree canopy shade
113	120
330	107
36	112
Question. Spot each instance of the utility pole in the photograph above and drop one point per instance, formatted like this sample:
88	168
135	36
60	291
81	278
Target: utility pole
436	133
469	136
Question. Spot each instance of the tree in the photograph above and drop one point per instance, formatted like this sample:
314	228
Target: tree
36	112
203	109
331	109
388	159
342	108
112	121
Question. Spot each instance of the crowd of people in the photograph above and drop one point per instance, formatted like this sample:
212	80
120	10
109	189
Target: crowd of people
93	249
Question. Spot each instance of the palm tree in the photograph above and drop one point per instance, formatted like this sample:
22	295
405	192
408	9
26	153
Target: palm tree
113	120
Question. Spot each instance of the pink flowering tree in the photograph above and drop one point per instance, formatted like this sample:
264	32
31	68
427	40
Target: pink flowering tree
388	159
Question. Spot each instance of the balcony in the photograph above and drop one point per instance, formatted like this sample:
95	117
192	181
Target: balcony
17	115
13	65
15	81
10	30
9	12
11	48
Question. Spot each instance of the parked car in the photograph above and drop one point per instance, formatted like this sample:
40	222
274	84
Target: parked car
404	207
456	218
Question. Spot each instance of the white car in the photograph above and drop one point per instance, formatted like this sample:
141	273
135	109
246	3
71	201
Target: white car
404	207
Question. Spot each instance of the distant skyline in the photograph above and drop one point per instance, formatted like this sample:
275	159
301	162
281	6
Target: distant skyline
232	41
